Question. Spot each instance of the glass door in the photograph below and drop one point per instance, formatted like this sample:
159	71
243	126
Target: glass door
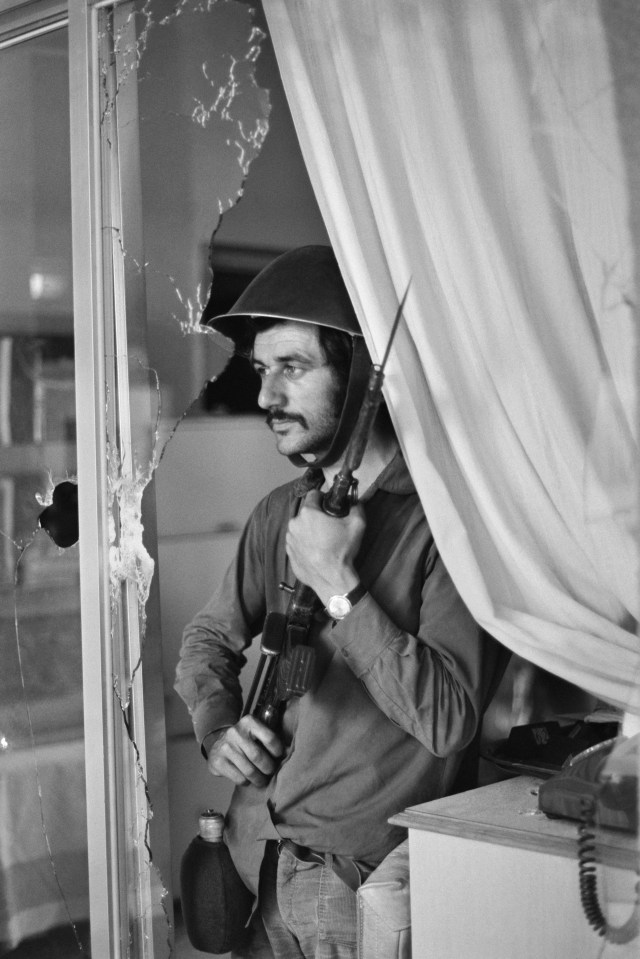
166	120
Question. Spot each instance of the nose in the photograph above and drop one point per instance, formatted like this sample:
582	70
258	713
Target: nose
271	391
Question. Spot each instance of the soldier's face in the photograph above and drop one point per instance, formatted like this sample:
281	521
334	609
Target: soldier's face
299	390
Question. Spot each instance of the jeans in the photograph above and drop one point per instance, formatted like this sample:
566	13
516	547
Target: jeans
306	910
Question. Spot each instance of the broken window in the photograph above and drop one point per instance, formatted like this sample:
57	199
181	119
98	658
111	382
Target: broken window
174	119
181	120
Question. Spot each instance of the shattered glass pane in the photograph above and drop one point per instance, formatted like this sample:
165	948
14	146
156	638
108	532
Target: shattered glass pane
182	119
202	120
43	839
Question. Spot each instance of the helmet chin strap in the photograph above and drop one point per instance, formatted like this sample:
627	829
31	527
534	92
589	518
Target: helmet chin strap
356	388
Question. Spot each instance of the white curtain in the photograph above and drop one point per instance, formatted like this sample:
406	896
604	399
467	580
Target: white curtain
490	150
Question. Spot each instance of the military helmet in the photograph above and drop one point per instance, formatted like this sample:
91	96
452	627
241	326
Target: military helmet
304	284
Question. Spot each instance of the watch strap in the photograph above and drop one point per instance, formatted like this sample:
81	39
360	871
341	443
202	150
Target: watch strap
355	595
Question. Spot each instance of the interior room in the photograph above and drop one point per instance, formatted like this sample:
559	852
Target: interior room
480	157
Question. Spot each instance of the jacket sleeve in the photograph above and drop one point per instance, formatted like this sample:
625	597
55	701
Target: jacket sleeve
211	655
433	684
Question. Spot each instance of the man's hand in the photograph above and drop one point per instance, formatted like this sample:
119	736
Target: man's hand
245	753
322	549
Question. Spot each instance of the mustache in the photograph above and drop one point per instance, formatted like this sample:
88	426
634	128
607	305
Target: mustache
279	416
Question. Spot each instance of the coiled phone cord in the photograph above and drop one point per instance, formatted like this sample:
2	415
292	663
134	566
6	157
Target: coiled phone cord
587	861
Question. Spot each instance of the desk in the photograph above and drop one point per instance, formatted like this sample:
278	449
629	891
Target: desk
494	878
32	894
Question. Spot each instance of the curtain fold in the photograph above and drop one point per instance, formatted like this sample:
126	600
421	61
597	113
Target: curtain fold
488	150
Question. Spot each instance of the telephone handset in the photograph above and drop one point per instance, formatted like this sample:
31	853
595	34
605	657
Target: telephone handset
598	786
605	774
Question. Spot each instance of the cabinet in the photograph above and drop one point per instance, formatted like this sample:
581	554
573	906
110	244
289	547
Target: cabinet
494	878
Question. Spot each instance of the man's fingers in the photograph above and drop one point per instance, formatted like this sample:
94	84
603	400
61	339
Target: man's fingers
237	768
219	766
230	760
258	731
246	753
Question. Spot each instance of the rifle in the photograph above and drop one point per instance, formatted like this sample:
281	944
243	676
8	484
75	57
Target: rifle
285	653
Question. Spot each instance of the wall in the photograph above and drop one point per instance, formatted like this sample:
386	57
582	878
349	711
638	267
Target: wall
212	475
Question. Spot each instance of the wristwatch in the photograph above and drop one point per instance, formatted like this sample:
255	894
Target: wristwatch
339	605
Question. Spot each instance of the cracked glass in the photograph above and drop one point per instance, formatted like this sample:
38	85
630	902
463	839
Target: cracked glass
181	119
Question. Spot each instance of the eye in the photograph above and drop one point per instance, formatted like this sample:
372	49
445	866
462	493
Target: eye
293	372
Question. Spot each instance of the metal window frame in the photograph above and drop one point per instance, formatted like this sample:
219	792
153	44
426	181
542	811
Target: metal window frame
88	298
23	19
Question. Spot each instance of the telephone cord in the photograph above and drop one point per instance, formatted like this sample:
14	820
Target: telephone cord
587	864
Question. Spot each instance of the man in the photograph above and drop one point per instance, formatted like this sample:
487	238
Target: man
402	672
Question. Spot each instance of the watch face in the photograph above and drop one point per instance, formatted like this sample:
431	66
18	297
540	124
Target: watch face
338	607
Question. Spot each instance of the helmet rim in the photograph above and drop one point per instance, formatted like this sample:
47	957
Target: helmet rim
303	285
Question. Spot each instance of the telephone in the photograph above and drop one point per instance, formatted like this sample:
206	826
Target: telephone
605	775
597	786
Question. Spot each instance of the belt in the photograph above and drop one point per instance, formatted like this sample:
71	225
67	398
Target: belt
352	872
302	853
